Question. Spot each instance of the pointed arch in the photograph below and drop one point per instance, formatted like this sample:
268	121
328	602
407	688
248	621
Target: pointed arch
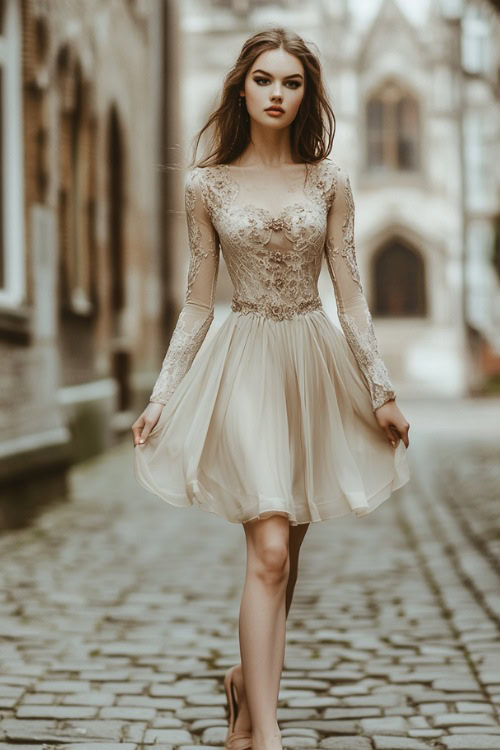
399	280
392	128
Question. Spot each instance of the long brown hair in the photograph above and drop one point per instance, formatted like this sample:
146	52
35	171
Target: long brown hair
313	129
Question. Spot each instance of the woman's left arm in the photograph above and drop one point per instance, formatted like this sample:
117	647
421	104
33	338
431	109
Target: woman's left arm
353	312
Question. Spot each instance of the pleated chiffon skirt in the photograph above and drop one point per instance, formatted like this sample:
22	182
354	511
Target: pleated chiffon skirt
273	417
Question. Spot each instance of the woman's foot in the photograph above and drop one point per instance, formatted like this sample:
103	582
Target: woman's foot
243	722
270	740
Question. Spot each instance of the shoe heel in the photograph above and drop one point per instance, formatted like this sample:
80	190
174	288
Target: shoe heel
231	700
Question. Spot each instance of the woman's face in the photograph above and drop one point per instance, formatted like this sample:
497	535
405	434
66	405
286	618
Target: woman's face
277	79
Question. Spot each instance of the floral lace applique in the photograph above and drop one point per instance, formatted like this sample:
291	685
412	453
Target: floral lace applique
273	250
354	315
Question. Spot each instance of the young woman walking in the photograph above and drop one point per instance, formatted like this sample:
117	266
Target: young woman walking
283	419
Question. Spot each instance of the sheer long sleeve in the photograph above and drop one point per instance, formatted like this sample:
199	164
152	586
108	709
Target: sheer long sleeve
197	313
353	312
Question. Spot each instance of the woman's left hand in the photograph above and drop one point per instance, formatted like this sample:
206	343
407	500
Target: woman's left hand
393	422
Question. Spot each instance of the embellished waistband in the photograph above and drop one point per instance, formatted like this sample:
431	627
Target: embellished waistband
275	311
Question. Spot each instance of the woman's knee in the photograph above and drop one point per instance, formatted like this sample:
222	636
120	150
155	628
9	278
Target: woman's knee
271	560
268	548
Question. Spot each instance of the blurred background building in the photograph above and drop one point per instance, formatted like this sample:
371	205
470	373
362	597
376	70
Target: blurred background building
415	91
99	102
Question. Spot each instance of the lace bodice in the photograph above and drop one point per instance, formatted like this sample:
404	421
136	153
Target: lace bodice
274	227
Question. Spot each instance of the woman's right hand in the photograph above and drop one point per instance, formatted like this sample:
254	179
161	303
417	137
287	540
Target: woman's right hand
145	422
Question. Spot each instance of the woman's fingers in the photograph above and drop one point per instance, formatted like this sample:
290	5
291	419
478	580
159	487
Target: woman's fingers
392	435
137	429
404	433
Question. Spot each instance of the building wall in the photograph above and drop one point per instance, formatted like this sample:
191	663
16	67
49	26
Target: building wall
75	363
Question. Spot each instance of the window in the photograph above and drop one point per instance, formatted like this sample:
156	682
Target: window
75	202
12	285
392	127
399	281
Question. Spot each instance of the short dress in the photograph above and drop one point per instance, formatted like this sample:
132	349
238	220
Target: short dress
276	414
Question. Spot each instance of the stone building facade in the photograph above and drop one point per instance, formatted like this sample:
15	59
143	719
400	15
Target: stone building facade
88	102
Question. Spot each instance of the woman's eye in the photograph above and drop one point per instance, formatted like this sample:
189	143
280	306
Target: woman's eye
294	84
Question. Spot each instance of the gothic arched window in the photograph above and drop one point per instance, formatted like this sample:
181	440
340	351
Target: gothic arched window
392	127
399	281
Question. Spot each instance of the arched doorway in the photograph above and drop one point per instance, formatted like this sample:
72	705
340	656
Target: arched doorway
399	281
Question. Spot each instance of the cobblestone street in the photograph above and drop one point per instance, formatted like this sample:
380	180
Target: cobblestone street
119	613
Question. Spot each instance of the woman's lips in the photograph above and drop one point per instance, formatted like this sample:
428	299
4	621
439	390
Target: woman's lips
274	112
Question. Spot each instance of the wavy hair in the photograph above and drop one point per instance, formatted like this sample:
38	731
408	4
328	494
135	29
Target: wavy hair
313	128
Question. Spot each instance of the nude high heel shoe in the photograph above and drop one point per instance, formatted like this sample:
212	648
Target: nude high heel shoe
240	740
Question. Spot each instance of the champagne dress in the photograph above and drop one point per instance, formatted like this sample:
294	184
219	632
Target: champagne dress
275	414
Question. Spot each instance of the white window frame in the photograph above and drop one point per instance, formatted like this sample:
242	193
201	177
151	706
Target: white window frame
13	293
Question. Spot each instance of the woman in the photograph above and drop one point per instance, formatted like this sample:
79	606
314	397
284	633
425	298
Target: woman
283	419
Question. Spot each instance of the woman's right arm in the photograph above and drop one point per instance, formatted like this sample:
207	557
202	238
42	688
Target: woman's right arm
197	312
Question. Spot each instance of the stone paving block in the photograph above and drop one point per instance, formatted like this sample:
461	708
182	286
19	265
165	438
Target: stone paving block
7	703
128	688
388	742
450	720
168	736
317	701
56	712
92	698
351	713
474	707
127	713
39	699
471	742
214	735
385	700
430	709
298	742
99	746
95	729
388	725
423	733
200	725
460	685
299	733
182	688
323	725
164	704
419	722
345	743
343	690
19	730
10	691
284	713
62	686
400	711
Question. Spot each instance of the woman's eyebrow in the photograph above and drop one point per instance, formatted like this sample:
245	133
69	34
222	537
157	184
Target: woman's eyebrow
259	70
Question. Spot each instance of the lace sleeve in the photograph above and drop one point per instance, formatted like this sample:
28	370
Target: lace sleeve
197	313
354	314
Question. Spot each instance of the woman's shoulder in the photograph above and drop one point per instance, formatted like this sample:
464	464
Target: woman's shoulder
327	174
330	168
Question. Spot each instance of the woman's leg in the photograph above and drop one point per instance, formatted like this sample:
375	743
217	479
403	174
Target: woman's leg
262	624
296	536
